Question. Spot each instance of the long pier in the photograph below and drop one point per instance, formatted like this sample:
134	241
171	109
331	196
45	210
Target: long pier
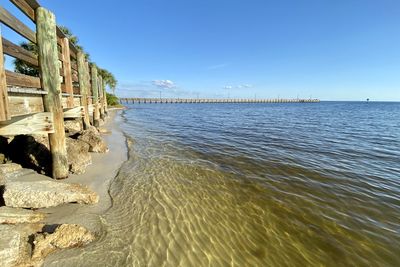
139	100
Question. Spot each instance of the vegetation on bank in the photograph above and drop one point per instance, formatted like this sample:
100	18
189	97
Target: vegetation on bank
27	69
112	100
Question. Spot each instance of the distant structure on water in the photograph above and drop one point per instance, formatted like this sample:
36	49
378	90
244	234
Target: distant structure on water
213	100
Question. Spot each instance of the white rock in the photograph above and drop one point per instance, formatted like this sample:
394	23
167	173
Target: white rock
43	194
17	215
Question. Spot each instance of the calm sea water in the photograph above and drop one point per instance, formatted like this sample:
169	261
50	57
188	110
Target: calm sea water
256	185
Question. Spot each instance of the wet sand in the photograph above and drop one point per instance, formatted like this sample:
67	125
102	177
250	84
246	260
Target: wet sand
97	177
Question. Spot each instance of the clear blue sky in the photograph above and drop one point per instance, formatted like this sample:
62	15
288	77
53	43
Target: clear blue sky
328	49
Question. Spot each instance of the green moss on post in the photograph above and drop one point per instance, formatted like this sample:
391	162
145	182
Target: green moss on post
95	93
84	88
50	81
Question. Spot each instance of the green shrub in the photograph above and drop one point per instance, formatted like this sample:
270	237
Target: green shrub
112	100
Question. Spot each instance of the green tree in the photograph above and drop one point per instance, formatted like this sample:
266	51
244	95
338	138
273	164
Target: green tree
112	100
23	67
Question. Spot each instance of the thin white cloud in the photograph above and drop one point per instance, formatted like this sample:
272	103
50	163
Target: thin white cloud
218	66
240	86
165	84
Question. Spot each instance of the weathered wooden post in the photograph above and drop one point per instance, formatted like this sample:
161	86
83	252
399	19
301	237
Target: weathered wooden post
95	94
83	85
67	72
50	81
4	111
103	87
101	93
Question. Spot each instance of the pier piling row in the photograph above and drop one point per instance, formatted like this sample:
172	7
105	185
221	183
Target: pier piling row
65	86
213	100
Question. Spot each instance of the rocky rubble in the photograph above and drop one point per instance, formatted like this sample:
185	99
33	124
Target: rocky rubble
29	244
78	155
72	127
46	193
15	248
15	215
65	236
92	137
30	153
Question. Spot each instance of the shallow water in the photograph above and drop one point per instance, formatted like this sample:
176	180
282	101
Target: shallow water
255	185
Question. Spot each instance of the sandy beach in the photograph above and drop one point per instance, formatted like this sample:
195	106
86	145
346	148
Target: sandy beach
97	177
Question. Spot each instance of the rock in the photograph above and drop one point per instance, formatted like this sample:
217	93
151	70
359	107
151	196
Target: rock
30	153
15	249
72	126
104	131
46	193
6	169
78	155
9	168
65	236
16	215
3	149
42	139
93	138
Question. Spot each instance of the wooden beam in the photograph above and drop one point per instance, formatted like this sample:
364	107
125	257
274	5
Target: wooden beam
17	51
84	88
95	93
32	91
33	4
50	76
4	109
39	123
67	72
25	8
77	112
8	19
18	79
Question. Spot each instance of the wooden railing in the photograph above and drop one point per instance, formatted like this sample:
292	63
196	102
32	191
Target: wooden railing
67	86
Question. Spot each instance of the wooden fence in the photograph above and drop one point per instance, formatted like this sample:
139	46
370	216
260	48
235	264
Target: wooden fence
67	86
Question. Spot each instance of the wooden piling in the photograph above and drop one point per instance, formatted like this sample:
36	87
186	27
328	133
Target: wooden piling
103	87
95	94
4	110
84	87
50	81
102	97
67	72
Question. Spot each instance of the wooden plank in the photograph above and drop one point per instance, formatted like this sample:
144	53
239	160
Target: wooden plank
39	123
16	51
25	8
32	91
77	112
95	93
22	104
50	77
84	88
8	19
67	73
4	109
18	79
